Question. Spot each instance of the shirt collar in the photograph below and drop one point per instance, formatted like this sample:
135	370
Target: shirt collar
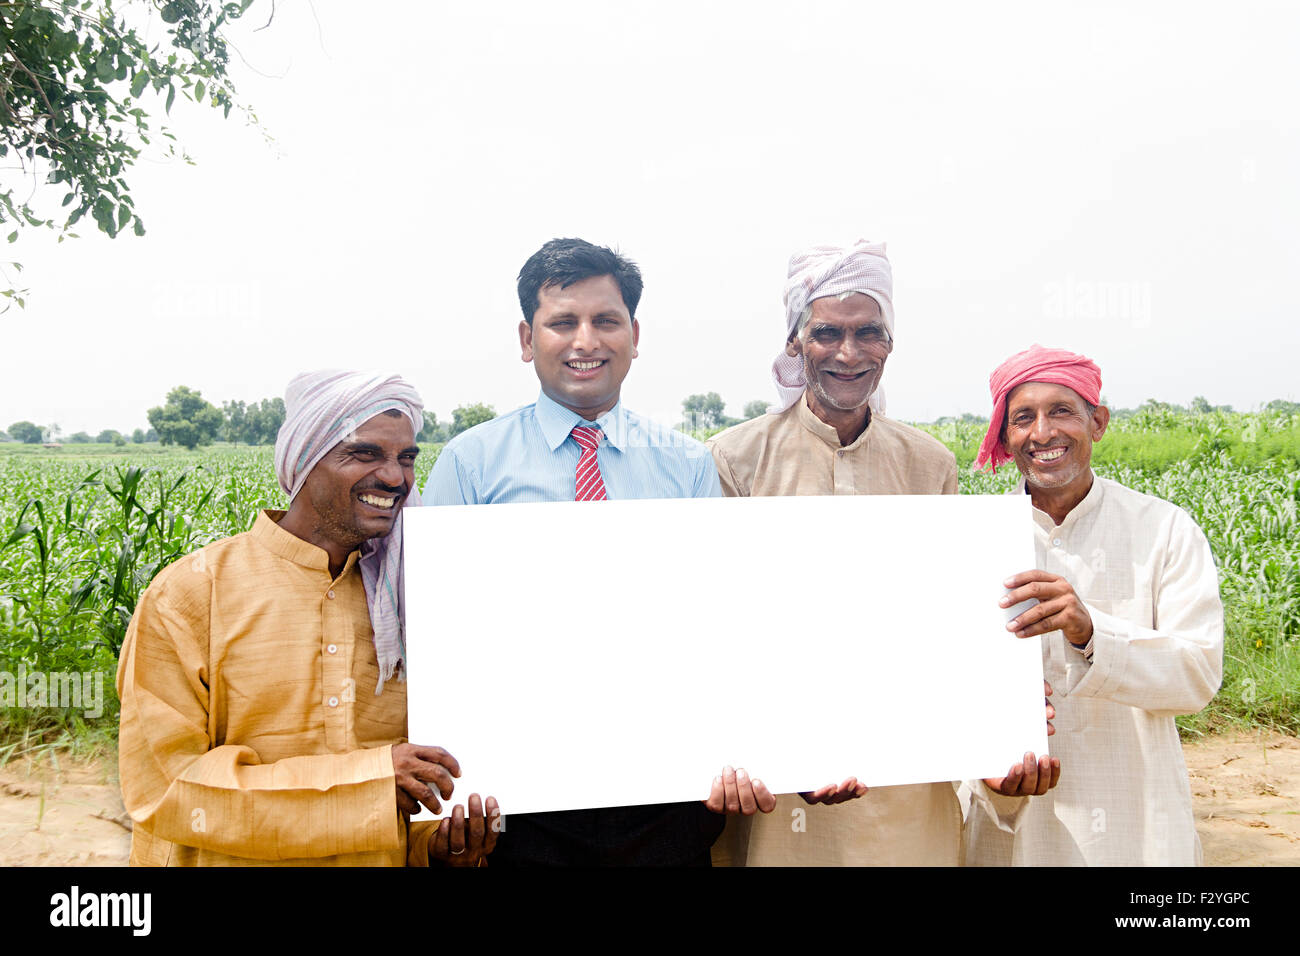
267	531
556	422
825	432
1085	507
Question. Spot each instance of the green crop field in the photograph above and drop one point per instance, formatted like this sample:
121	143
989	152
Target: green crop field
84	528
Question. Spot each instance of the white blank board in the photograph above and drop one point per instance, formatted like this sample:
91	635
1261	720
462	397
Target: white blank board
587	654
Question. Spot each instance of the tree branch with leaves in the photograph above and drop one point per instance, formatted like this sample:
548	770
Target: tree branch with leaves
73	78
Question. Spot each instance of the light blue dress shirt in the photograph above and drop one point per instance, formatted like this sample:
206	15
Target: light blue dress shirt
529	455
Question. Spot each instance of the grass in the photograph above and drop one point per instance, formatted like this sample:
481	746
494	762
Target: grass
111	516
35	735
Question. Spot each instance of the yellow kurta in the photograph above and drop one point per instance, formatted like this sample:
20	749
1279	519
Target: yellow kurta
795	453
250	730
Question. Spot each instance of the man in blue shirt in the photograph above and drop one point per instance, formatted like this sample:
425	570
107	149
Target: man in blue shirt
578	442
580	334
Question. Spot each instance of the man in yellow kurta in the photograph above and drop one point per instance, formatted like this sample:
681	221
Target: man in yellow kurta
828	436
261	722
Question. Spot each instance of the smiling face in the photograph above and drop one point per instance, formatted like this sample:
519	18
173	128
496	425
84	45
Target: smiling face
581	341
1049	432
844	345
355	492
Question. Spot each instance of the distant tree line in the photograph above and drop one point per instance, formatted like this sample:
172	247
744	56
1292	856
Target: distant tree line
256	423
466	416
708	412
189	420
33	434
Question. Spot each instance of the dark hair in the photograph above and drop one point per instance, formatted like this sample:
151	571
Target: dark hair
563	262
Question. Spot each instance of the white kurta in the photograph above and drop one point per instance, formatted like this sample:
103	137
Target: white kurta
1146	574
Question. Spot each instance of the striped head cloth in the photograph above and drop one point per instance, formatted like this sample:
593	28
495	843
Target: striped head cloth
823	271
322	409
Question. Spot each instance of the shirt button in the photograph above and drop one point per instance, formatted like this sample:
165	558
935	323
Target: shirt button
330	595
1056	542
333	648
840	454
334	701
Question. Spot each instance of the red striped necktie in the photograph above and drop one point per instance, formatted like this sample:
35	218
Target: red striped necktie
589	486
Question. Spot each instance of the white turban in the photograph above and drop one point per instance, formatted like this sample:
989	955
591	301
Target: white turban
820	272
321	409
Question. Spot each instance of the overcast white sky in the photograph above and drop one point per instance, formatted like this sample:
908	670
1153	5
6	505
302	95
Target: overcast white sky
1115	178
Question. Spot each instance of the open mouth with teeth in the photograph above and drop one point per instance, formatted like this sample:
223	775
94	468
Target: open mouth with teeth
383	502
585	369
1047	454
850	376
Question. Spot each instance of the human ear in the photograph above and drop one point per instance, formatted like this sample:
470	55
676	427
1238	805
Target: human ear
636	336
793	347
1100	419
526	341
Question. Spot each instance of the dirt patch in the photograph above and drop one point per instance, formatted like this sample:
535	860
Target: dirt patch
1245	788
1246	791
69	814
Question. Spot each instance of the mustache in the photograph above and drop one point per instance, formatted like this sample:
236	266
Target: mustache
401	491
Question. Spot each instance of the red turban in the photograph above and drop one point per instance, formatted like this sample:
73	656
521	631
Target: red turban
1036	364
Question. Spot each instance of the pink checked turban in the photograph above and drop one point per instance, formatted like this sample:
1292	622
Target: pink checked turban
1036	364
831	270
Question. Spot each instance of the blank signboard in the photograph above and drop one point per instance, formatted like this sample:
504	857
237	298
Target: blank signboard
585	654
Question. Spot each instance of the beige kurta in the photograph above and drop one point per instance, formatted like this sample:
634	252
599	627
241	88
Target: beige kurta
250	730
1146	574
795	453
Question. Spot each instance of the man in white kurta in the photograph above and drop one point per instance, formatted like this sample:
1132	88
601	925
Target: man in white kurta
1137	640
828	436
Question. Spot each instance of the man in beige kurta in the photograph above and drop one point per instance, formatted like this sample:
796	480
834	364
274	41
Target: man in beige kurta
828	436
1131	628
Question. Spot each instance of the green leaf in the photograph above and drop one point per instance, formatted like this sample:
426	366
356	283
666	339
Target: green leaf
13	236
138	227
123	216
68	198
104	67
21	531
171	96
171	13
103	213
139	83
198	91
